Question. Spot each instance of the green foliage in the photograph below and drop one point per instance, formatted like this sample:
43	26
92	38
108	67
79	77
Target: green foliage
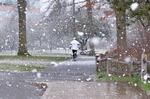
124	13
142	11
146	86
102	76
120	5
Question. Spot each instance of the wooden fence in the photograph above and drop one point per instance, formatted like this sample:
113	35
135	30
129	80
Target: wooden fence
117	67
113	66
145	67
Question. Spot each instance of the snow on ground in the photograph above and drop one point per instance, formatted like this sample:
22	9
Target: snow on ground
25	62
33	62
58	51
83	61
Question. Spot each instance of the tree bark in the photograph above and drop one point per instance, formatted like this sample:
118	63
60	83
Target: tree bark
22	50
121	29
74	19
89	21
89	5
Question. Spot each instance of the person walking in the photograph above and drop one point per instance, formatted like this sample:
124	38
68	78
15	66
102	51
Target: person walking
74	46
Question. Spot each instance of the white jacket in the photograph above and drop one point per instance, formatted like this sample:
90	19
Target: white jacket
74	45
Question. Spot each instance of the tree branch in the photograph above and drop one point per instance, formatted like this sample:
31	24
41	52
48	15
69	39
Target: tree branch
142	23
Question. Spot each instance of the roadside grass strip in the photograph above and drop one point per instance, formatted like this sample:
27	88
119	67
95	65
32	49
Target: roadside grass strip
20	67
131	80
14	63
44	58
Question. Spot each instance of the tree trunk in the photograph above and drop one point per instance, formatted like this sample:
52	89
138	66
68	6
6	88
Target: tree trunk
90	31
74	19
147	37
121	30
89	17
22	50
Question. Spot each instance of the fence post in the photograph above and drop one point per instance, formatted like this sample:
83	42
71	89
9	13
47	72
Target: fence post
143	65
108	63
97	62
131	66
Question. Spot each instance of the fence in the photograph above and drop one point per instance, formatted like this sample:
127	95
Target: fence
113	66
145	67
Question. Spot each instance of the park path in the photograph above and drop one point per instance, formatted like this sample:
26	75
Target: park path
76	80
65	80
81	70
15	85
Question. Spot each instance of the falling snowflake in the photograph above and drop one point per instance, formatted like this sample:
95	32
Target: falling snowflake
124	75
32	29
134	6
127	59
54	30
38	75
34	70
109	75
135	84
54	63
8	84
80	33
88	79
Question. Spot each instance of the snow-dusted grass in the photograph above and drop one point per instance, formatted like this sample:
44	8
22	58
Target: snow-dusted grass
59	52
131	80
19	67
18	63
34	58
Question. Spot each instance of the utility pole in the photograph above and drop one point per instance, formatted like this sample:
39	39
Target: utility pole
74	20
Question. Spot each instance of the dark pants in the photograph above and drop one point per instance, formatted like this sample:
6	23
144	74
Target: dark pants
74	53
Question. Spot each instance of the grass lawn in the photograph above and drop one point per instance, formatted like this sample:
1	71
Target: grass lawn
44	58
132	80
20	68
8	62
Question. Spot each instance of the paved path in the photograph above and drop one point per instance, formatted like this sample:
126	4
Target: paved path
20	85
76	80
81	70
14	86
91	90
66	80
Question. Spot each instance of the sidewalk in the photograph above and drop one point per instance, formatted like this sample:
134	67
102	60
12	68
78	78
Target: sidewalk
76	80
90	90
66	80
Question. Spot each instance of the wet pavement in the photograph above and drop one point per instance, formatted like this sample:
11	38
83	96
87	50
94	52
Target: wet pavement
13	86
91	90
65	80
76	80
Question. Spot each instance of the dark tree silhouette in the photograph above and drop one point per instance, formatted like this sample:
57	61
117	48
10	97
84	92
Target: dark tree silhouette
22	50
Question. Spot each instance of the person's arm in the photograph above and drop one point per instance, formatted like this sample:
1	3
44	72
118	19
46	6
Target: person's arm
79	45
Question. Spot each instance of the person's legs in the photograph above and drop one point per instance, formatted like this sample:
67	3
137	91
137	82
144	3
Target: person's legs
74	53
